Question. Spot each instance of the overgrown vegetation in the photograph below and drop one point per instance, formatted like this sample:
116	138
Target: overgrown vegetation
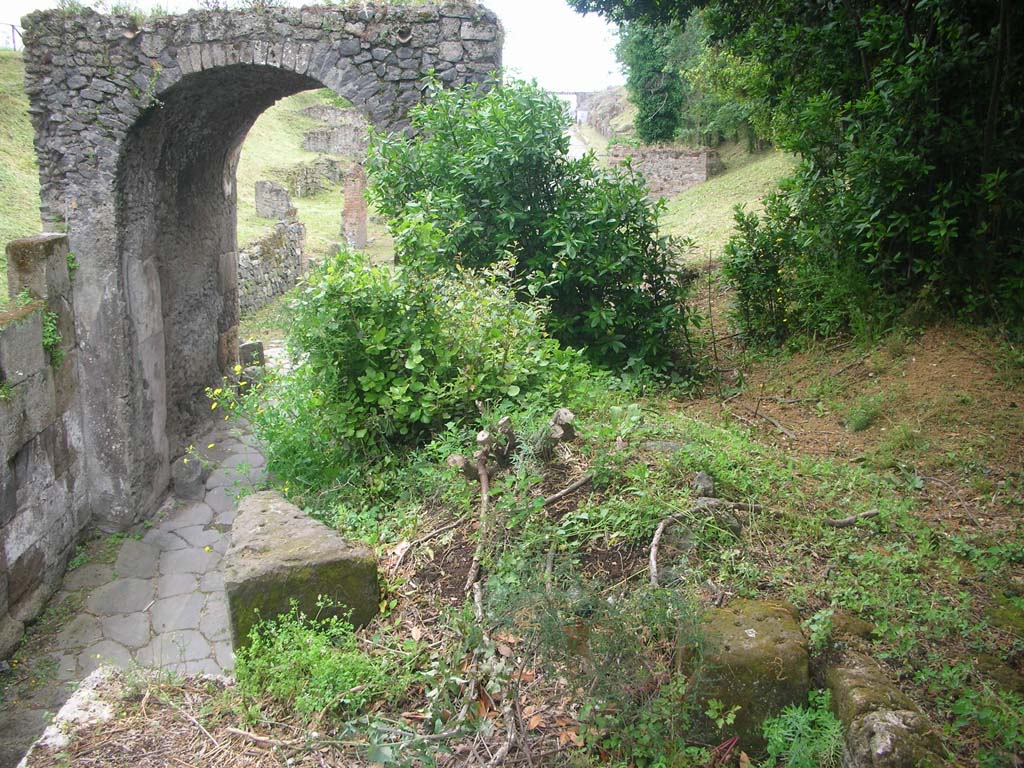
907	120
489	178
389	358
316	666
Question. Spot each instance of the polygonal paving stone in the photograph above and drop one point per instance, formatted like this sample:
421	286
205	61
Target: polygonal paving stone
137	559
121	596
214	623
130	629
103	652
174	648
188	561
199	536
176	584
243	461
67	667
221	501
88	576
179	612
224	655
212	582
238	479
196	513
81	631
164	540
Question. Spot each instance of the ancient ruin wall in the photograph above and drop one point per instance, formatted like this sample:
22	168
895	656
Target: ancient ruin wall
42	493
138	131
270	266
668	171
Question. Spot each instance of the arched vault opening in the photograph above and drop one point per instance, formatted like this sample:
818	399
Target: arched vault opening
138	132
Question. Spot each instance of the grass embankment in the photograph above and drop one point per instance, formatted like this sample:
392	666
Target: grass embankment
19	174
705	212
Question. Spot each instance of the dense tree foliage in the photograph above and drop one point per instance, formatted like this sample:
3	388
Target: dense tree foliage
488	177
653	79
908	119
682	87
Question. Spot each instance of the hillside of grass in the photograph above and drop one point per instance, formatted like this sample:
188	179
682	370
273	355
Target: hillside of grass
19	174
706	212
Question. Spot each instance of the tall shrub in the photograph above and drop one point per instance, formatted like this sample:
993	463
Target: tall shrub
489	174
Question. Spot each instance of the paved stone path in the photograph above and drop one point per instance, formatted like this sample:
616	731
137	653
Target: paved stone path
159	605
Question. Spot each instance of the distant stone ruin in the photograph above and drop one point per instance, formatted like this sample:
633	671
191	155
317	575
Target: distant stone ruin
668	171
272	201
354	214
307	179
138	131
270	266
346	133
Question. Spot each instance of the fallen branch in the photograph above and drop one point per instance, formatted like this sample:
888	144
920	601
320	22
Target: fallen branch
567	490
423	539
485	498
266	740
512	732
709	502
849	522
652	562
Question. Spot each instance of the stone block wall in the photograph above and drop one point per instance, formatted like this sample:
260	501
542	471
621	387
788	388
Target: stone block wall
272	201
307	179
270	266
668	171
43	506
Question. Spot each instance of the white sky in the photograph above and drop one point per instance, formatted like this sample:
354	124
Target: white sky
544	40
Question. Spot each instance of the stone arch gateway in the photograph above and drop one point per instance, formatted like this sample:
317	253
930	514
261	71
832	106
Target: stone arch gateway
138	131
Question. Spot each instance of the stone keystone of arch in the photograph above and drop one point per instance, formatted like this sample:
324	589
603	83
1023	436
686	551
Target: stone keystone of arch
138	131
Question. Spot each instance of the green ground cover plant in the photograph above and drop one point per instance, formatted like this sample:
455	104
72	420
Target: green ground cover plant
316	666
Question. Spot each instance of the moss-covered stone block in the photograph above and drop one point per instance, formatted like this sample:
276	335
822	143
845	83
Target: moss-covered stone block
859	685
755	658
884	727
278	555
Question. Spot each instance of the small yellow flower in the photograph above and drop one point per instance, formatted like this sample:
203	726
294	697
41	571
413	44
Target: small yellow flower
208	548
210	445
213	407
238	368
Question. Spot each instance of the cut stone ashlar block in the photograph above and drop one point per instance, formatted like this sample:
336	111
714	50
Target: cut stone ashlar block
884	727
755	658
278	555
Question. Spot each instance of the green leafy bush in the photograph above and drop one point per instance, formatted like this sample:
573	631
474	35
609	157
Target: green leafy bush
388	358
488	176
313	665
806	737
753	264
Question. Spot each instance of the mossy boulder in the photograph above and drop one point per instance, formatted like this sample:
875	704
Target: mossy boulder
884	727
755	658
278	555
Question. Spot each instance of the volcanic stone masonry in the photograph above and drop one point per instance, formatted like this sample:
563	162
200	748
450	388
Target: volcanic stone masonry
138	131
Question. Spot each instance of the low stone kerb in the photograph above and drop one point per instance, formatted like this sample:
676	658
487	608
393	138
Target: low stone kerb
278	555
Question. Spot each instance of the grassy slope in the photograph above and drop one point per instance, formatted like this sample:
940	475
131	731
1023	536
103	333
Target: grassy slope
19	175
705	212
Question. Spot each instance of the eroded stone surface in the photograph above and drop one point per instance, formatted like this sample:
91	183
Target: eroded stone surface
279	554
885	728
755	657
